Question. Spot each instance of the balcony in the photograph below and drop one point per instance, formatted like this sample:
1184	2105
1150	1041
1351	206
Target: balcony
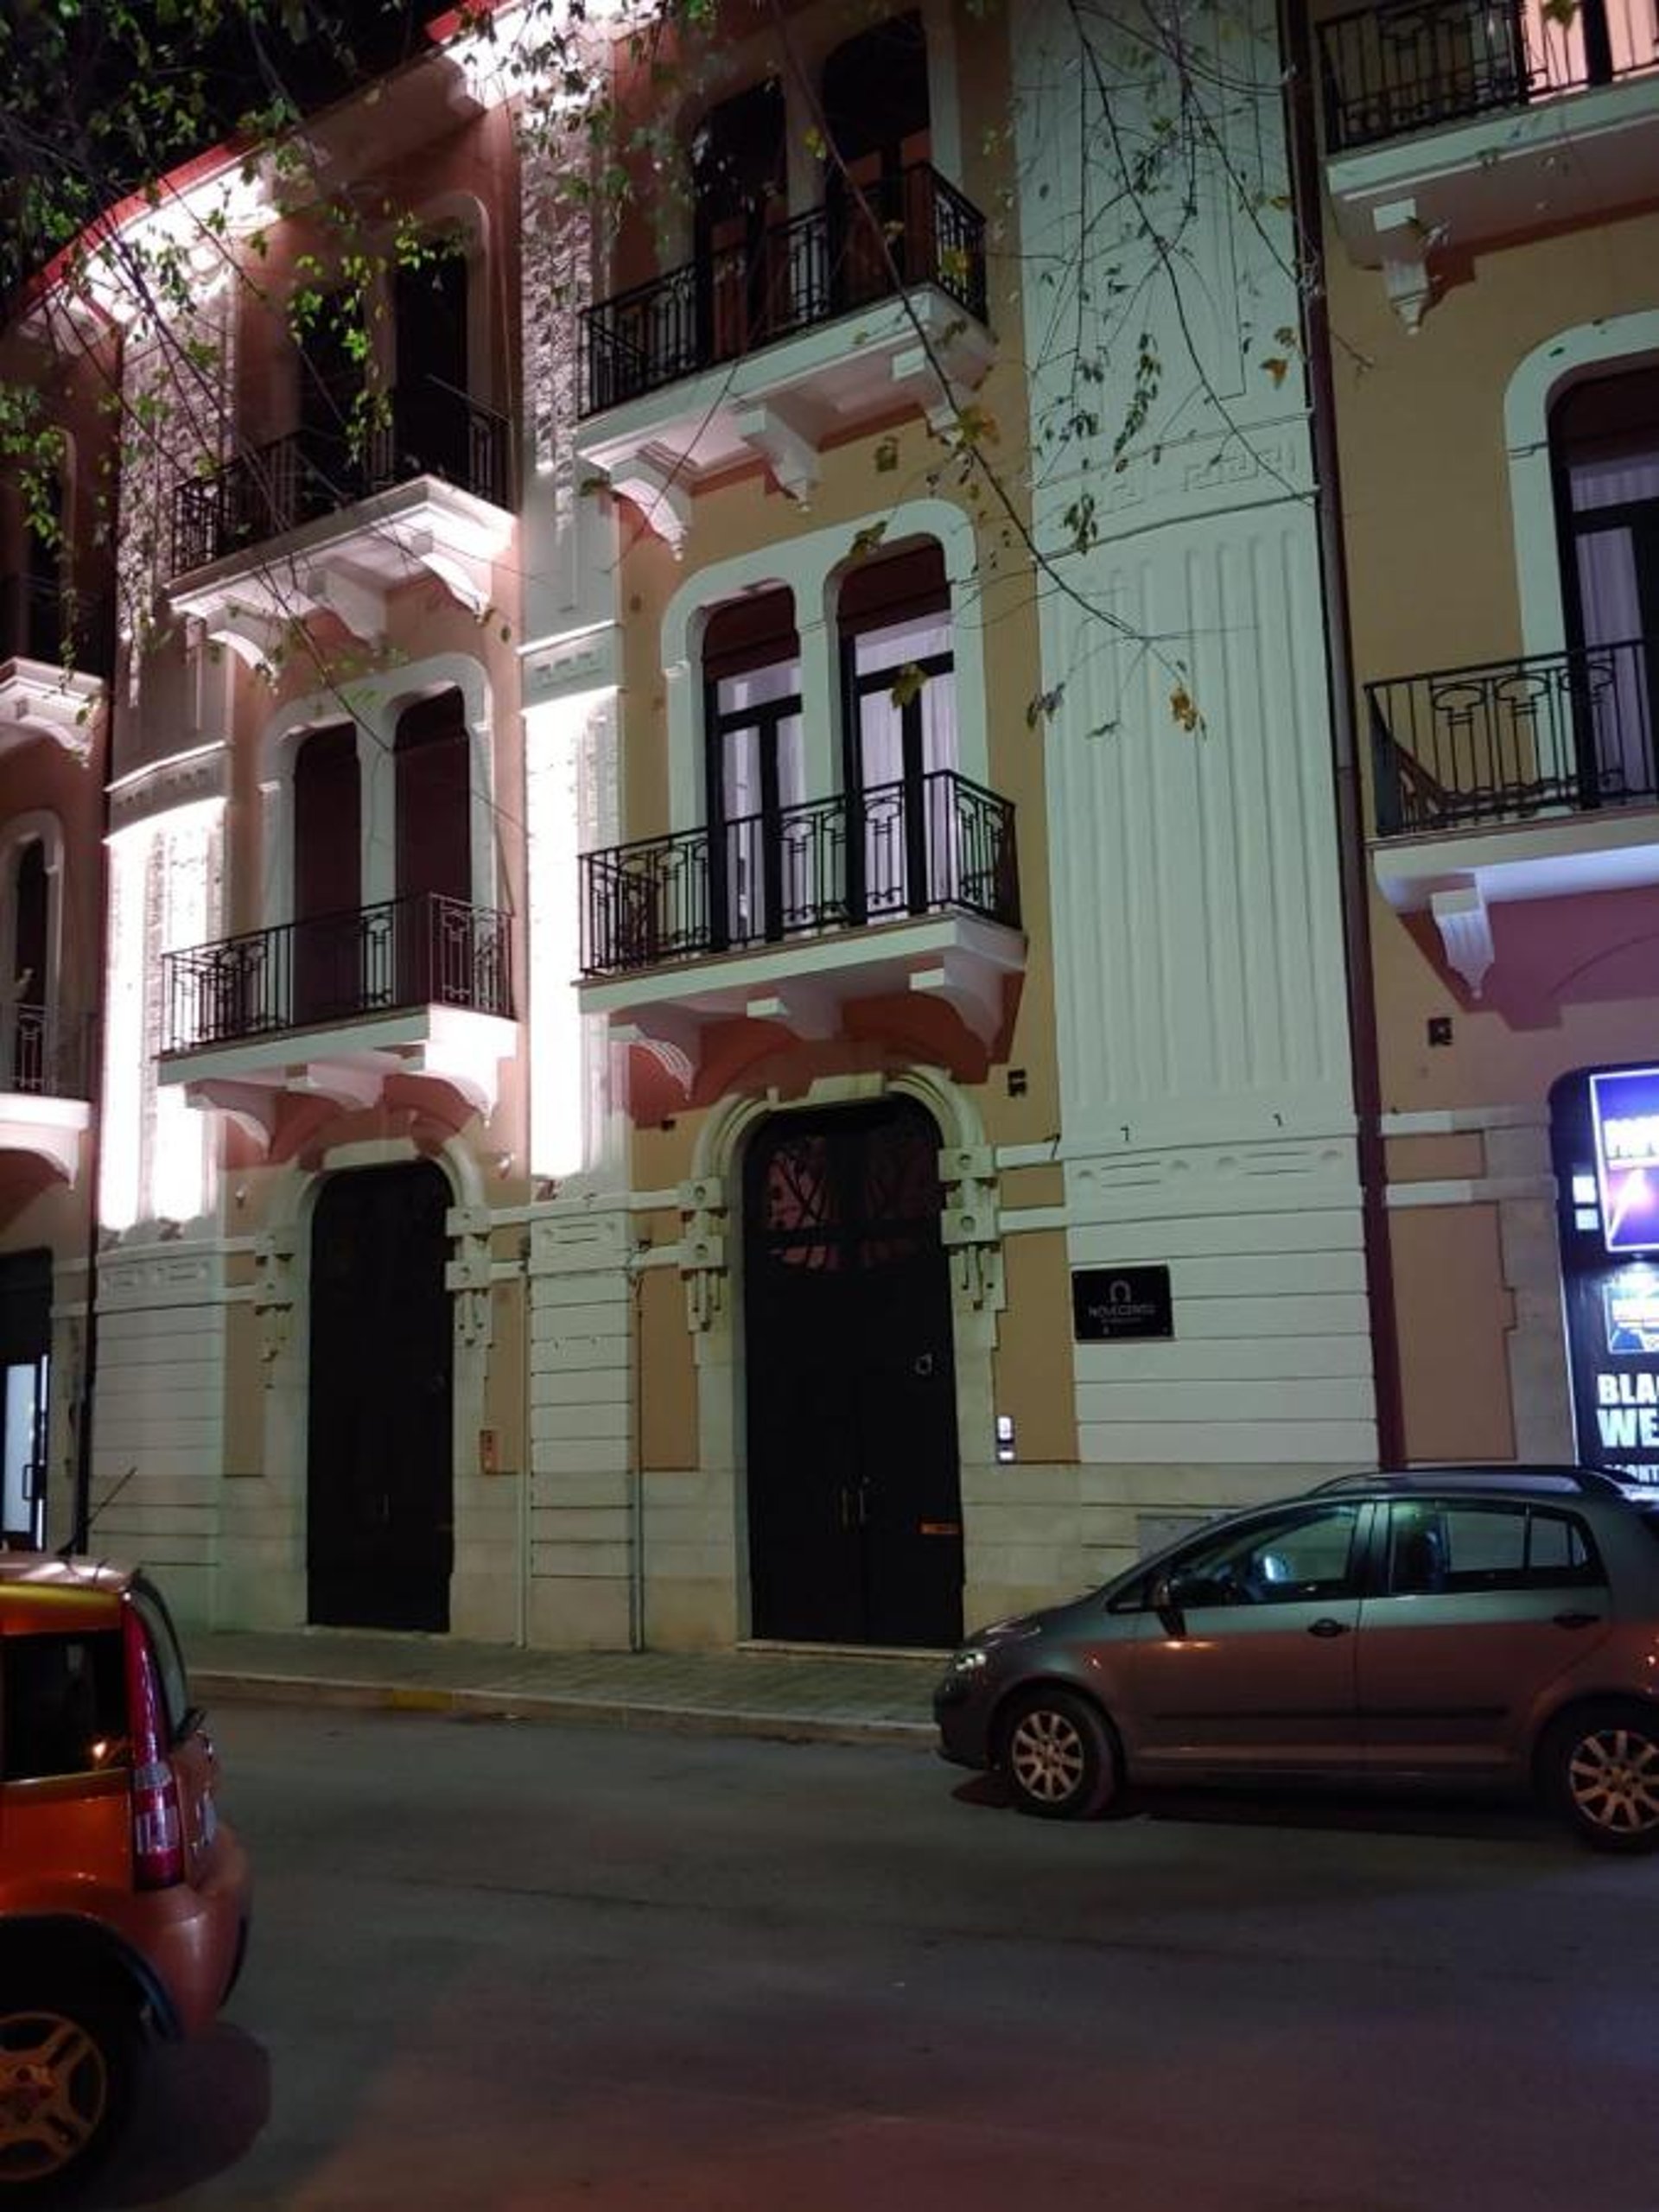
46	1068
902	889
56	652
1465	122
1527	779
317	521
415	989
745	355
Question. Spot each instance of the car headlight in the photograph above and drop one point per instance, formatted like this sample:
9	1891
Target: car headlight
971	1662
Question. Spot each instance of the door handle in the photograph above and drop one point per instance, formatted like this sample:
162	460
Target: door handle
1576	1620
1326	1626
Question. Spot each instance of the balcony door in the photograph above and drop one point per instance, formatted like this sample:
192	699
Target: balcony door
380	1524
25	1363
331	471
435	864
767	867
854	1504
431	403
875	102
327	939
900	719
740	196
1606	435
30	1017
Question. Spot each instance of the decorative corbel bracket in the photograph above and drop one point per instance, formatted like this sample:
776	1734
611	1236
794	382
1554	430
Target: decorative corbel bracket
785	446
1466	929
805	1009
1406	243
673	1043
975	994
661	496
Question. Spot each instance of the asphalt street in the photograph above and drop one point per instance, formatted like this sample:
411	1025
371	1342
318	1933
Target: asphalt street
504	1966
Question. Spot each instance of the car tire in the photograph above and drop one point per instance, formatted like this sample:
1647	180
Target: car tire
1598	1766
1058	1757
68	2065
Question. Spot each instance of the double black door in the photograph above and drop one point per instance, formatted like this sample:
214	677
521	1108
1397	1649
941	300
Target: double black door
854	1489
381	1530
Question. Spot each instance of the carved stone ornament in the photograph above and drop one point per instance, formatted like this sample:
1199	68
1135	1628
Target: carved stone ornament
467	1276
971	1228
273	1295
702	1249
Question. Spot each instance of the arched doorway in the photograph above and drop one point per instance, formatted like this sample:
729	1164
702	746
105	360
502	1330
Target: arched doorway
854	1485
380	1530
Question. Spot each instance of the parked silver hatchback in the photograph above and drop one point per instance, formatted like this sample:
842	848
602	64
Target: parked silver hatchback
1455	1624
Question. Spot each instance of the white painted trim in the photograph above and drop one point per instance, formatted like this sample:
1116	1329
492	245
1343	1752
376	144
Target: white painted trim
1471	1191
1456	1120
1532	390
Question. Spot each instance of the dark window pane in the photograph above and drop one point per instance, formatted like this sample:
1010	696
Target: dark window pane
62	1704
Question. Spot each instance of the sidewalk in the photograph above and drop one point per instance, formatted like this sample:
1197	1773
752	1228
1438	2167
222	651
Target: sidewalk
801	1696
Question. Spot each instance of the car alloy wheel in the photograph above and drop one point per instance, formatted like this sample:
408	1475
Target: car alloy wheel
1058	1757
1604	1767
65	2075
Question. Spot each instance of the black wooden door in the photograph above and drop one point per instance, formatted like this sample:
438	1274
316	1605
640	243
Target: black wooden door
381	1511
854	1490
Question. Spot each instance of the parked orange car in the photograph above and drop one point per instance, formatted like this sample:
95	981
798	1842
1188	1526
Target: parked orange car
123	1897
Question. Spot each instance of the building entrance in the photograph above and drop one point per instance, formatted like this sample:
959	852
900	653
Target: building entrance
380	1539
854	1483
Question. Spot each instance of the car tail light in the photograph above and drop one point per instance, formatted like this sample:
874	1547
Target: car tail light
157	1820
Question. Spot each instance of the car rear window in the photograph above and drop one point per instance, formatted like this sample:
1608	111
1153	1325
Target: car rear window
63	1705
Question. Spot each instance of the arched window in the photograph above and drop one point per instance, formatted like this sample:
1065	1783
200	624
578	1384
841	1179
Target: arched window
1605	443
763	878
899	718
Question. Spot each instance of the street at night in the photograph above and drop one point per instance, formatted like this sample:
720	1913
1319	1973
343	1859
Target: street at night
499	1965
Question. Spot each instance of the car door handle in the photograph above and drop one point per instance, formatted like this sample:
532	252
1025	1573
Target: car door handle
1326	1626
1576	1620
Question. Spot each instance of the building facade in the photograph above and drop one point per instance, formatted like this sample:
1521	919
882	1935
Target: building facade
1495	397
752	989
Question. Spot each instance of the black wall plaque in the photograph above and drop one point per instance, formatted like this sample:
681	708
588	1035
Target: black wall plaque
1110	1304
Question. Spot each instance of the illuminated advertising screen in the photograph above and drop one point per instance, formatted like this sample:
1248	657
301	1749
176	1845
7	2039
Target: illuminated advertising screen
1624	1112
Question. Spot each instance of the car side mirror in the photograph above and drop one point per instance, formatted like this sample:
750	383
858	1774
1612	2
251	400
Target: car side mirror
1166	1604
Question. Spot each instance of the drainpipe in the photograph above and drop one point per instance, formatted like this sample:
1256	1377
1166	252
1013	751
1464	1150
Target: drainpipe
637	1464
81	1517
1306	183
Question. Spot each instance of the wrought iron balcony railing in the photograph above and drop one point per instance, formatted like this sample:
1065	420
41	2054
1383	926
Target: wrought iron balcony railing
937	844
1507	740
919	229
422	430
44	1053
423	950
1412	65
42	619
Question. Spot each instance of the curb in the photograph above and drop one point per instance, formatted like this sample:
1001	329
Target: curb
552	1710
